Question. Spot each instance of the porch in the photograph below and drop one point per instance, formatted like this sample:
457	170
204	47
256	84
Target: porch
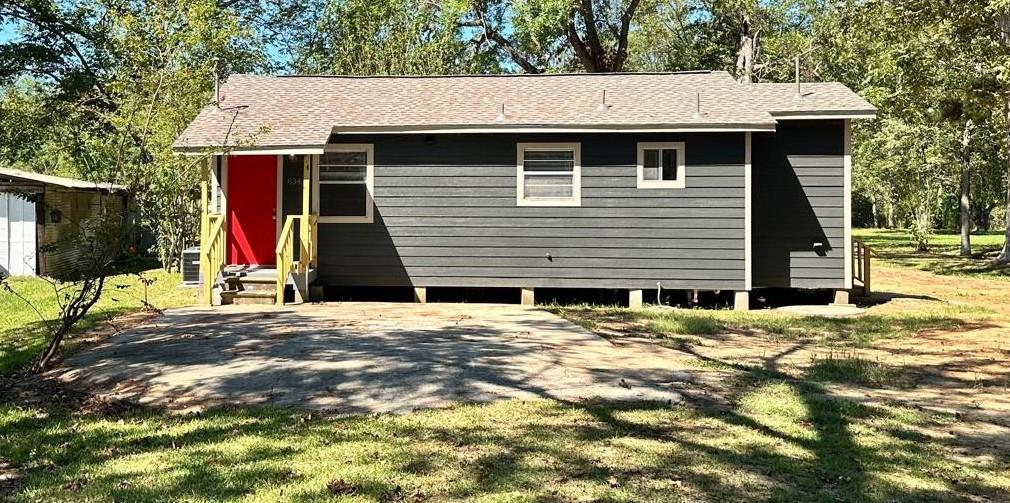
257	236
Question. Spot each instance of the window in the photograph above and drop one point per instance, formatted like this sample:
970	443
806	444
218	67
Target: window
548	174
661	165
344	184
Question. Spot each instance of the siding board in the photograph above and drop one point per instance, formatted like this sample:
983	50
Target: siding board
446	215
798	200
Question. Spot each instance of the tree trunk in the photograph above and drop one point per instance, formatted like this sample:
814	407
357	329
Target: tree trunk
747	52
1003	18
873	211
923	225
966	190
890	215
1004	256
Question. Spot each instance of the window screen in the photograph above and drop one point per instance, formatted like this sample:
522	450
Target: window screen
343	184
548	174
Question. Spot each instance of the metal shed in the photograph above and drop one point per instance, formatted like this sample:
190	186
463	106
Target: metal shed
38	210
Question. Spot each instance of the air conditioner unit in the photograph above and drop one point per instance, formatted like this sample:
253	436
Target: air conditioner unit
191	266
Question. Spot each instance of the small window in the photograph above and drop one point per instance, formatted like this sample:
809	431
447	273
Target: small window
661	165
548	174
344	181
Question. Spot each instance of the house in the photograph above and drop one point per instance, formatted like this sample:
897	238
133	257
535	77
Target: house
39	216
687	181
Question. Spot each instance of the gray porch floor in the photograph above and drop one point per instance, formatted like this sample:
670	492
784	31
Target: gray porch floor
367	357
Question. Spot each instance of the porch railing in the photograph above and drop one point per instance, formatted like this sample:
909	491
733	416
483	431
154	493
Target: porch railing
212	247
287	263
861	255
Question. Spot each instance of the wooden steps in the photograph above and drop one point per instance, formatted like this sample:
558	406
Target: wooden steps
249	285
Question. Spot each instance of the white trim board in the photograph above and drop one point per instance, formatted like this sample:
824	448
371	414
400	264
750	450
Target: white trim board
824	116
256	151
535	129
676	183
847	202
369	215
748	210
575	200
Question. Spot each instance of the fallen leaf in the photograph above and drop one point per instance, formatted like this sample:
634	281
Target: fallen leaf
340	487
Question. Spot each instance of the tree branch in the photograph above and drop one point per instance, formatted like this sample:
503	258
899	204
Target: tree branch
503	43
622	39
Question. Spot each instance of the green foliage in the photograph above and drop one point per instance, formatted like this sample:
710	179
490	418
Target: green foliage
410	37
23	335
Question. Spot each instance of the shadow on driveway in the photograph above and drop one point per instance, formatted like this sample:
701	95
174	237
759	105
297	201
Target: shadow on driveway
351	358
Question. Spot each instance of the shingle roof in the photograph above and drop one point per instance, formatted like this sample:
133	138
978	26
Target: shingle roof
58	181
302	111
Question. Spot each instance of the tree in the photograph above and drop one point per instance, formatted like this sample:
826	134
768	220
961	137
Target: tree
1001	11
404	37
543	35
98	245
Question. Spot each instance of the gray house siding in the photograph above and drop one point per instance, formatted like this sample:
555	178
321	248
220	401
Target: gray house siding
446	215
798	200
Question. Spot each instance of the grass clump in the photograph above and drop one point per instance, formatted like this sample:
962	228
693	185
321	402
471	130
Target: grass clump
851	369
857	331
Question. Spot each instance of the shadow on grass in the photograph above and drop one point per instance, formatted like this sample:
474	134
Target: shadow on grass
857	331
779	440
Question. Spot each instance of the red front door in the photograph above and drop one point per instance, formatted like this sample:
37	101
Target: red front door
252	209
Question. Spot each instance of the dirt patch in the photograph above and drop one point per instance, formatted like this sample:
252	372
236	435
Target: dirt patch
44	392
11	479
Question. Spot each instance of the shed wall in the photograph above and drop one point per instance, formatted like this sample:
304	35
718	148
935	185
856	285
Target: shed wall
78	210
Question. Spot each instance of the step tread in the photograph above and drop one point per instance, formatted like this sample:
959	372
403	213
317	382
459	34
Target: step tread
248	293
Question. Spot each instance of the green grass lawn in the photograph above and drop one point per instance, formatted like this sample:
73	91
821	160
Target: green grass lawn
779	441
895	247
22	334
763	436
671	325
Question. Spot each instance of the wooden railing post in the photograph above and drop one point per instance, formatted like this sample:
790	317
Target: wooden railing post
206	289
306	245
868	254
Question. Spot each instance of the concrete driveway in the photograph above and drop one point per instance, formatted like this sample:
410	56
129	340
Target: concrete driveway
366	357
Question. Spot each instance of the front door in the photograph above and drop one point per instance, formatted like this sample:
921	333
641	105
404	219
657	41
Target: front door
252	209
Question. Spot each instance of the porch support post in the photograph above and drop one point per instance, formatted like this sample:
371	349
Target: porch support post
635	299
741	301
527	297
205	274
306	188
420	295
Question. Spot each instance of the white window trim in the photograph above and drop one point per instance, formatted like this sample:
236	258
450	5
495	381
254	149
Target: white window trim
575	200
679	183
369	215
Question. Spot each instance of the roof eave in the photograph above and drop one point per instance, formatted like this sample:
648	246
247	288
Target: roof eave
556	128
825	114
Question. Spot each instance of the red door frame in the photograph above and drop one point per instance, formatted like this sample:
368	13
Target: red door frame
252	209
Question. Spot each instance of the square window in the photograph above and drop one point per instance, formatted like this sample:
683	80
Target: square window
548	174
661	165
344	184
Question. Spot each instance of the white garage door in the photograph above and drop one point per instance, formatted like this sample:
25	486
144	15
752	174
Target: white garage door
17	236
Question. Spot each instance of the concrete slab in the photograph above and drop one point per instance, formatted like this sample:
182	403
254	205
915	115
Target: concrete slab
367	357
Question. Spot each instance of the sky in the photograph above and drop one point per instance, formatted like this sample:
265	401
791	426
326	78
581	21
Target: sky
7	31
